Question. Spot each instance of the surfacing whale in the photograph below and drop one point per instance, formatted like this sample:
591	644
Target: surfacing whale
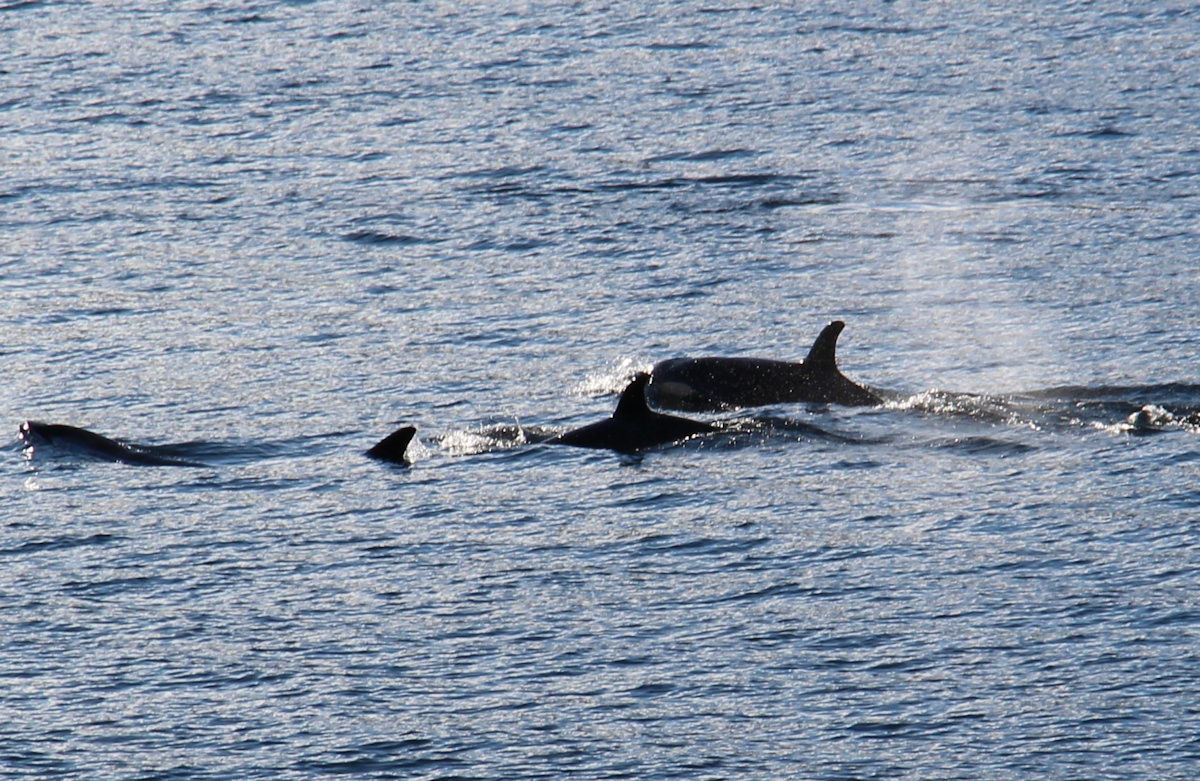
392	447
79	442
633	425
73	442
711	384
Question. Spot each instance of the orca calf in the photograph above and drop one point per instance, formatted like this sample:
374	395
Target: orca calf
710	384
633	426
88	444
392	447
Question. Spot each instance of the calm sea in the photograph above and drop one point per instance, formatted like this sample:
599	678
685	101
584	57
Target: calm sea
270	233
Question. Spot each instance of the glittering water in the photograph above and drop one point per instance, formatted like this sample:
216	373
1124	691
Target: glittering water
271	233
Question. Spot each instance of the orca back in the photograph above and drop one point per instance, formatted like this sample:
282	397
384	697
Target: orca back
714	383
71	441
633	425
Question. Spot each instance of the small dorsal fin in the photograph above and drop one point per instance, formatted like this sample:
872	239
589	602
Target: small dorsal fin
392	447
823	354
633	399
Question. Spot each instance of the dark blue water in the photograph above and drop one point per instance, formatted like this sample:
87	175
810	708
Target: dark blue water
268	234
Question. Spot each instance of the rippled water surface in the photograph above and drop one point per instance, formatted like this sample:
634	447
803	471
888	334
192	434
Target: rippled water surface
269	234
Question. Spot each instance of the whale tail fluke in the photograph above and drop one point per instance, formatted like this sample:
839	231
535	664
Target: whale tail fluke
392	447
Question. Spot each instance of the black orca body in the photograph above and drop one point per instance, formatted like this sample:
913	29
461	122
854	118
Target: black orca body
88	444
633	426
710	384
392	447
74	442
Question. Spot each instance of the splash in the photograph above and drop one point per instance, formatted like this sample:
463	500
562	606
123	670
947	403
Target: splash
491	438
987	409
612	380
1153	419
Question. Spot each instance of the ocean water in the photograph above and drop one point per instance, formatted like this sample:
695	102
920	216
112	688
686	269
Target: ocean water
270	233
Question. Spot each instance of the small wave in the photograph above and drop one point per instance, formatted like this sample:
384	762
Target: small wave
103	589
1179	393
738	180
710	155
57	544
772	424
827	199
762	594
658	544
725	181
70	315
1107	132
371	237
1134	410
673	46
503	172
984	446
1123	409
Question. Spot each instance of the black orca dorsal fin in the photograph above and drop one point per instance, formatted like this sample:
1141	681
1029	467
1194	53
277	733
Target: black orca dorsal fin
633	399
823	354
392	447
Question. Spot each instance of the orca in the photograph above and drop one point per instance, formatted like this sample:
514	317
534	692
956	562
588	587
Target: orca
88	444
71	441
392	447
712	384
633	426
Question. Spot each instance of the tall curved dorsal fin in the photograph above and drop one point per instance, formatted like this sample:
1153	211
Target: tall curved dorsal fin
823	354
633	399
